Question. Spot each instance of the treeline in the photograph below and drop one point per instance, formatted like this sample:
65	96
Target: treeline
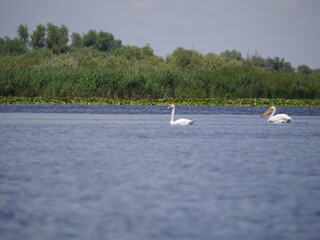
50	63
56	39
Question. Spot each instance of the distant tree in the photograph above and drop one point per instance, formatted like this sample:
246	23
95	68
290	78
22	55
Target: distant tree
270	64
255	60
104	41
23	34
57	38
129	52
278	65
304	69
286	67
180	57
76	40
147	50
64	38
144	55
90	38
38	37
117	43
186	59
10	46
101	41
213	62
2	46
52	39
231	55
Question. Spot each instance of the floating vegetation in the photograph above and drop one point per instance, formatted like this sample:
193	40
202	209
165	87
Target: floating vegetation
166	101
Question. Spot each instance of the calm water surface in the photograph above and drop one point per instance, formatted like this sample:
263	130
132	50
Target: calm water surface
122	172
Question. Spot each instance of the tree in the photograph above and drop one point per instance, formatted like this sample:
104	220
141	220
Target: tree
38	37
213	62
130	52
76	40
23	34
10	46
186	59
147	50
304	69
52	39
255	60
90	38
57	38
64	38
278	65
104	41
231	55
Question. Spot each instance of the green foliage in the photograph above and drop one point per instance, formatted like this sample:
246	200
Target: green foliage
304	69
96	65
57	38
63	77
231	55
90	38
278	65
163	102
185	59
38	40
10	46
23	34
101	41
270	64
76	40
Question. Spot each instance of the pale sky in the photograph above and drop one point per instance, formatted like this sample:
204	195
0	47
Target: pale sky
287	29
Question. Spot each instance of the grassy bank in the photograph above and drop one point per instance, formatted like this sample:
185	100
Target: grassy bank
182	102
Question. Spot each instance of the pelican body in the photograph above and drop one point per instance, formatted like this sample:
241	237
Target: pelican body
279	118
181	121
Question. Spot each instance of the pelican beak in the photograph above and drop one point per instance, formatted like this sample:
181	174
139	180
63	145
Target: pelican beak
269	111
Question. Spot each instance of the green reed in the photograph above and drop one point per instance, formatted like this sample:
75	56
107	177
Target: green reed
151	83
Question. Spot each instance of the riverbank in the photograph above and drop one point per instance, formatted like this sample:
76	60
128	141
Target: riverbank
182	102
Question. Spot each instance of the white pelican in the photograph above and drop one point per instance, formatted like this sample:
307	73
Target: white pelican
179	121
279	118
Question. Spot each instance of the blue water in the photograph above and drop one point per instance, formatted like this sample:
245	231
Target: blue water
122	172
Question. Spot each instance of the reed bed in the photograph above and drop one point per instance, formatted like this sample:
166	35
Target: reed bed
147	83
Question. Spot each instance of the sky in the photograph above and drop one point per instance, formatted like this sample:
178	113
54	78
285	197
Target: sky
288	29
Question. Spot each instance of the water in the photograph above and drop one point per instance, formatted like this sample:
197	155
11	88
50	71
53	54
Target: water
122	172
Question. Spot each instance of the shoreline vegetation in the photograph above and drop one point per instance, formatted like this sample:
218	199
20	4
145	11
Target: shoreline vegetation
258	102
51	66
